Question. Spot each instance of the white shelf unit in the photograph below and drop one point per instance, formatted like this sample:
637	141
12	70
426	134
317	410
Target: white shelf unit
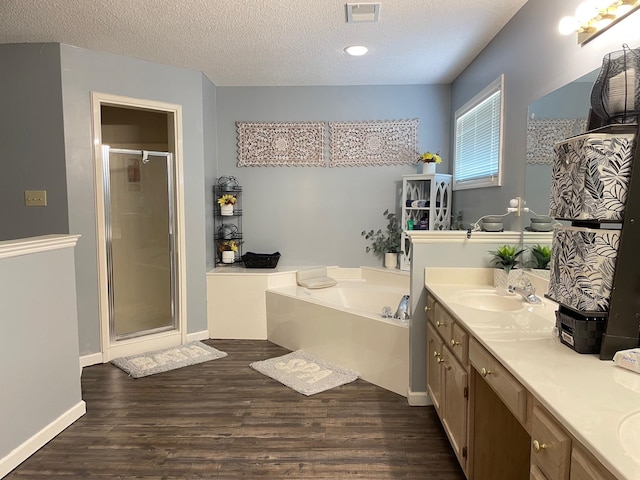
435	191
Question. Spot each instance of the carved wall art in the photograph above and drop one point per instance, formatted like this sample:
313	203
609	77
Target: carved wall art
373	143
294	144
543	134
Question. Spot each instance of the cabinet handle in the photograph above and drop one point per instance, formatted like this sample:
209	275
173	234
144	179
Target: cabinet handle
427	308
436	354
454	343
440	324
440	360
484	372
538	447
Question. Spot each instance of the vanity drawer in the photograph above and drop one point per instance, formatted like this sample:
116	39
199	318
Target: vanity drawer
550	446
459	343
510	391
443	322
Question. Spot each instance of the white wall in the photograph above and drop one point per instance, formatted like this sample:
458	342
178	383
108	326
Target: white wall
536	60
314	215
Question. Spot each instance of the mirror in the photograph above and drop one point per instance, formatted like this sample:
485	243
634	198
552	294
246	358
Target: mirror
552	118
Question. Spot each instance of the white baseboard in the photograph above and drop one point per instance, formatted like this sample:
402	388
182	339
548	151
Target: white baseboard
418	399
201	335
96	358
30	446
90	359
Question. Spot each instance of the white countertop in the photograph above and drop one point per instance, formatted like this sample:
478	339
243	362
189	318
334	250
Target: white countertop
597	401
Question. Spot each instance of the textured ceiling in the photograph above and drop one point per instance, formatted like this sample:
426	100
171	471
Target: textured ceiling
271	42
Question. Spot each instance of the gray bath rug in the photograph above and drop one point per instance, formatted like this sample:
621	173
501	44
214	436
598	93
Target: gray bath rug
305	373
167	359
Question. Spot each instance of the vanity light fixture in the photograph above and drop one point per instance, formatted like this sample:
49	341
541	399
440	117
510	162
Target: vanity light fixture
356	50
595	16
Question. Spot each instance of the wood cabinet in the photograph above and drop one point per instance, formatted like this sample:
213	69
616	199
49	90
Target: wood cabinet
496	427
550	446
448	376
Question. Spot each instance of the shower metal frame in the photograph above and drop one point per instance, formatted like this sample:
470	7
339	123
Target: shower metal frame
106	178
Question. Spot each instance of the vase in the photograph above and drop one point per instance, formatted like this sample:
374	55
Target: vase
428	168
390	260
228	256
226	209
502	279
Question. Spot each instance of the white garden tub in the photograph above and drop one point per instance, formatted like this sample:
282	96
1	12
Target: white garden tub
343	324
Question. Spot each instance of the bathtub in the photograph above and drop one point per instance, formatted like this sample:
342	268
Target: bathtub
343	324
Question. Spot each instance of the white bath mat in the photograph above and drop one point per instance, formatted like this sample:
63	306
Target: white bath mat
305	373
167	359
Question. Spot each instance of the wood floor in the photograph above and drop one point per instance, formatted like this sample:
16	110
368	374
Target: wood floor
221	419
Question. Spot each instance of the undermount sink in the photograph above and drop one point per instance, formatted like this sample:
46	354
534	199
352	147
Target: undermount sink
629	435
488	300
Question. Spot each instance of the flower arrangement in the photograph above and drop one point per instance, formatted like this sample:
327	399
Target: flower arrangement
228	246
428	157
227	200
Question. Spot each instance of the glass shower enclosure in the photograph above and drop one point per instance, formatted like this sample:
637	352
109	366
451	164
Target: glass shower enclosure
140	225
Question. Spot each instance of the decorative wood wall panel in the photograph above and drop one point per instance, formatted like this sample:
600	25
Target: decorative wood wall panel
373	143
543	134
281	144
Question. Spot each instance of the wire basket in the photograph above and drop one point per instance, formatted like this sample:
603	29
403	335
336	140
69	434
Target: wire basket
261	260
615	96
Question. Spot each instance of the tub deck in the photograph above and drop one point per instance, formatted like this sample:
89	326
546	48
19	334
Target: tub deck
341	333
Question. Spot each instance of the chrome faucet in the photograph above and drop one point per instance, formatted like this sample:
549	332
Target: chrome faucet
402	312
526	290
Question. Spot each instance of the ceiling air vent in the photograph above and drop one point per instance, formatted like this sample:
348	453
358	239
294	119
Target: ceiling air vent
362	12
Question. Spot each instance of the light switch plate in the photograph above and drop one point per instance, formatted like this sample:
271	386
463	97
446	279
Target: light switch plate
35	198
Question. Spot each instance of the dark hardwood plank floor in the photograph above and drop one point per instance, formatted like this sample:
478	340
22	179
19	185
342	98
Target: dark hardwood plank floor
221	419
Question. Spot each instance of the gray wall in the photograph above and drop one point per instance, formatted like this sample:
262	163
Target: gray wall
40	377
314	215
31	140
84	71
536	60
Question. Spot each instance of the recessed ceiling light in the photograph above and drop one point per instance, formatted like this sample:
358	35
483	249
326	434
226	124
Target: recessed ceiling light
356	50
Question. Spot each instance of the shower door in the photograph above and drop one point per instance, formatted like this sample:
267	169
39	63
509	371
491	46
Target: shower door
139	217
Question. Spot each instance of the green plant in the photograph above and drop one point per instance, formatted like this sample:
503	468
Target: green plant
541	256
387	241
506	257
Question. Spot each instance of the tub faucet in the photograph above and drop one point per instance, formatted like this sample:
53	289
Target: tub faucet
526	290
402	312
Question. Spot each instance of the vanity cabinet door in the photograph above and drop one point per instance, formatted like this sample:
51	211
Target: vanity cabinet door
455	387
550	446
434	359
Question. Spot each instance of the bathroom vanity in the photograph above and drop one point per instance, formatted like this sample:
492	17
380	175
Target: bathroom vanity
516	403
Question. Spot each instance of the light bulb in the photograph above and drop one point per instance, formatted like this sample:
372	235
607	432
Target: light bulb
568	25
586	11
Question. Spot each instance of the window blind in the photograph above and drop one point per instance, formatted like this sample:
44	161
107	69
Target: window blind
478	143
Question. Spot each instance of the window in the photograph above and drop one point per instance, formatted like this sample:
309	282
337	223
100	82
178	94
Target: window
478	135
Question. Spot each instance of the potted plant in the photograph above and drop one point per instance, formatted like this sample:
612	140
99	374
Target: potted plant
386	244
228	249
541	256
429	161
226	203
505	260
